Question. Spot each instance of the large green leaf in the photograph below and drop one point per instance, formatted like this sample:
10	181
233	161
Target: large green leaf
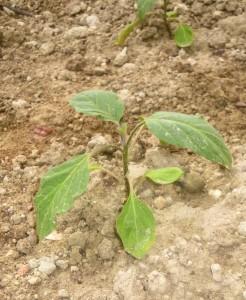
144	6
103	104
164	175
136	227
58	190
187	131
184	36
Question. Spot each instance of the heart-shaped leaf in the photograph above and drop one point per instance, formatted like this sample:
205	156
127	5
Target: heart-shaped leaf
58	190
190	132
184	36
103	104
164	175
136	227
144	6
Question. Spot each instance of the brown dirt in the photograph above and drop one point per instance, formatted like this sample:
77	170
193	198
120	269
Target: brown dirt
197	229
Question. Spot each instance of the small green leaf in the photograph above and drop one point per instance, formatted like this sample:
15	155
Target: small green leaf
58	190
171	15
187	131
164	175
136	227
126	31
144	6
184	36
103	104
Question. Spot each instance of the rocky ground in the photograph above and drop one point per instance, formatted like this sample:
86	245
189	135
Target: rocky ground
66	47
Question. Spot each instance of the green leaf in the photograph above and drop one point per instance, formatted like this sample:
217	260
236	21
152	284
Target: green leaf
144	6
103	104
164	175
171	14
187	131
126	31
58	190
136	227
184	36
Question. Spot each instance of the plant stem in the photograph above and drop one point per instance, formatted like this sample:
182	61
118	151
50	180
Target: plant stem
126	141
165	3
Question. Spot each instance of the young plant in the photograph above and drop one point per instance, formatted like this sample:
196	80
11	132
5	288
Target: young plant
135	224
183	34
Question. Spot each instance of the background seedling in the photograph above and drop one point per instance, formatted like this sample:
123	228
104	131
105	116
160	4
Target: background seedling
183	34
135	224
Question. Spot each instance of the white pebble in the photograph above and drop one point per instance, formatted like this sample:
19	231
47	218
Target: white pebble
242	228
216	272
244	294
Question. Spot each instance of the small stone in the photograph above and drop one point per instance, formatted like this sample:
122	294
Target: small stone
3	191
79	239
157	282
24	246
216	194
63	294
5	227
47	265
17	219
92	21
98	139
162	202
33	280
244	294
74	9
47	48
193	183
76	33
105	249
62	264
216	272
19	104
242	228
33	263
121	58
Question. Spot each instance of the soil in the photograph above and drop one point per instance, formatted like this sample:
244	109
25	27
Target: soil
200	247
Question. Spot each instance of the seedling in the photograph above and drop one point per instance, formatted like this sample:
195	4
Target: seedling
183	34
135	224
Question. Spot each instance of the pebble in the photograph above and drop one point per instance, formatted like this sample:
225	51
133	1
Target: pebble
76	33
74	9
78	238
162	202
24	246
242	228
3	191
62	264
216	272
63	294
47	48
33	263
46	265
157	282
121	58
33	280
244	294
105	249
19	104
92	21
216	194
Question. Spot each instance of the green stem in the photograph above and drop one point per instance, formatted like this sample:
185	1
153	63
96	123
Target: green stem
165	3
126	141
